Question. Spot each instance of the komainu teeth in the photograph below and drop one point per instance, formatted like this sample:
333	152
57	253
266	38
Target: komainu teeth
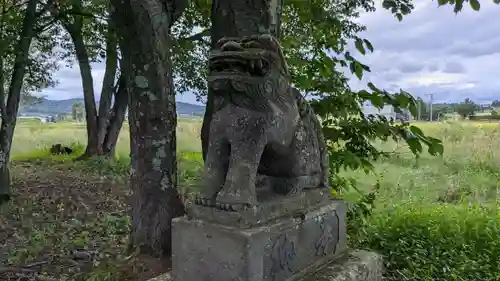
259	64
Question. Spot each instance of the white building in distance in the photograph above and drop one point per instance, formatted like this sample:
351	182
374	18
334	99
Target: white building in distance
387	111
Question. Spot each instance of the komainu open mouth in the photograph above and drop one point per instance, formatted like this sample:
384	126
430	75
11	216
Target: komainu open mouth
230	64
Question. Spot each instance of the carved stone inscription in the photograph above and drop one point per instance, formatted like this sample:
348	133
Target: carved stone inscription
282	255
329	235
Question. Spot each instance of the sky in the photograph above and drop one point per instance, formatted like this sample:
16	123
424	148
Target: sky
433	51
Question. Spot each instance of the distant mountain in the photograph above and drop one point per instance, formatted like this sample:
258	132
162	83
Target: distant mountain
55	107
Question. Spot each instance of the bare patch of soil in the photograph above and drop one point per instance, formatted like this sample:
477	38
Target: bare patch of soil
63	224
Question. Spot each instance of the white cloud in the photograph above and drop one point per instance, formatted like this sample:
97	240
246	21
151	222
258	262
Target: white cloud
70	84
435	51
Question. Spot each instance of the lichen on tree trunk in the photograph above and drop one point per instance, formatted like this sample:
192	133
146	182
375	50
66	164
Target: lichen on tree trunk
236	18
144	26
5	188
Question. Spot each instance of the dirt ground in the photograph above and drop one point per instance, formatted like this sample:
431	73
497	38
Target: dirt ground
64	224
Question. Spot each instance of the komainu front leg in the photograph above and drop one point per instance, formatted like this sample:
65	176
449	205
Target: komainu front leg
216	166
239	188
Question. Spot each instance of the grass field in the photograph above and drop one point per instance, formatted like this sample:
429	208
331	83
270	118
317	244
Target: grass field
31	135
459	191
469	167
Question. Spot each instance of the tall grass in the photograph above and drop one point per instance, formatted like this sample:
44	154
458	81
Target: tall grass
467	173
438	218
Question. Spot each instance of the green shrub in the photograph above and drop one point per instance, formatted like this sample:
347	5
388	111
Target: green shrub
437	242
484	117
44	153
189	169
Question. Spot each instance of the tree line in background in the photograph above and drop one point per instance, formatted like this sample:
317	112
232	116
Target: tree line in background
148	45
466	109
440	111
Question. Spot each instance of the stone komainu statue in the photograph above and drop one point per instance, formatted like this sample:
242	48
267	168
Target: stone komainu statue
262	128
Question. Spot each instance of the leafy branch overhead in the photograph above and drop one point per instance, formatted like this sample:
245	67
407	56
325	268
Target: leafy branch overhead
401	8
314	36
458	4
314	60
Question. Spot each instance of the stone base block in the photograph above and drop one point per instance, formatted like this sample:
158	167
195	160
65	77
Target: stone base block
272	207
276	251
355	266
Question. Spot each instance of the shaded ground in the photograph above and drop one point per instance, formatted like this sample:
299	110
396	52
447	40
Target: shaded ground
63	224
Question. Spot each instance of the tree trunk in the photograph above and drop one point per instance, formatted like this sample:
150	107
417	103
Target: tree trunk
108	86
116	120
75	31
5	189
9	112
235	18
6	134
103	127
145	29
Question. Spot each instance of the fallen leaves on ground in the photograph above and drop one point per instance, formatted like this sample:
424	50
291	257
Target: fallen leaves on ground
64	224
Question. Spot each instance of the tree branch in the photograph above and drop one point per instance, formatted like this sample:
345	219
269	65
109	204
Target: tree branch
46	26
74	12
198	36
45	8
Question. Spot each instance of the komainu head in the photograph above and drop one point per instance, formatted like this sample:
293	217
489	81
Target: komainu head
249	72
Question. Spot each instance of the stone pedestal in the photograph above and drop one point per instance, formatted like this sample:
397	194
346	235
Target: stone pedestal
299	235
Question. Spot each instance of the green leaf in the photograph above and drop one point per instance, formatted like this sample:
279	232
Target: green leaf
405	9
402	100
399	16
364	94
377	100
475	5
416	130
372	87
415	145
365	67
352	67
348	56
413	109
442	2
359	45
387	4
358	70
438	146
369	45
458	6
